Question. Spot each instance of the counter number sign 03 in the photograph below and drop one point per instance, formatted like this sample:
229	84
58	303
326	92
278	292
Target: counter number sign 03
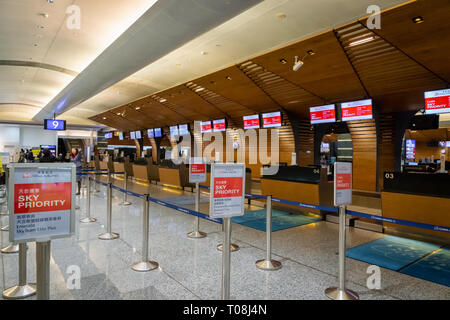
197	170
41	201
227	190
342	183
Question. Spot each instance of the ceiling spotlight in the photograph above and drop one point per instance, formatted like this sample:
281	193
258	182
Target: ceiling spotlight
162	100
104	118
137	108
297	64
417	19
199	89
118	113
43	15
50	1
228	78
310	52
283	61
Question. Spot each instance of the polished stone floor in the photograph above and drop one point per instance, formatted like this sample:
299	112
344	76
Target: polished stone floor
191	268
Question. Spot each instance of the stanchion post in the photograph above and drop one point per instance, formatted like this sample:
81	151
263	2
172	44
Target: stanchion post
96	190
108	235
341	293
145	264
43	270
268	263
197	234
23	289
226	259
88	218
125	187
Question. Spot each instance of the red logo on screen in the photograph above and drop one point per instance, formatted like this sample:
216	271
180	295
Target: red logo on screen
228	187
42	197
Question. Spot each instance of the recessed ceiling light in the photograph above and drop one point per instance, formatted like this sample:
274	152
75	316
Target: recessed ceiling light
162	100
228	78
281	15
43	15
104	118
35	44
118	113
203	53
50	1
199	89
292	102
417	19
358	42
40	26
283	61
137	108
310	52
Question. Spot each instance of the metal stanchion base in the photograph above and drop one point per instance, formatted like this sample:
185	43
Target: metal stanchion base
338	294
19	292
144	266
233	247
196	234
88	220
108	236
5	228
12	248
268	264
125	203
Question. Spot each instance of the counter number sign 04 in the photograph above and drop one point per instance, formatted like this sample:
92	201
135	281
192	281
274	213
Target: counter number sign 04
227	190
342	183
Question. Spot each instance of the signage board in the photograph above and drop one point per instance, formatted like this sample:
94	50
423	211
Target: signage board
342	183
205	126
150	133
173	130
42	201
271	120
227	190
219	125
197	170
437	101
183	129
52	124
323	114
132	135
357	110
251	122
158	133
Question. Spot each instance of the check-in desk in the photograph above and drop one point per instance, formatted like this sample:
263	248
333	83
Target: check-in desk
417	197
174	175
152	171
308	185
128	165
119	167
103	165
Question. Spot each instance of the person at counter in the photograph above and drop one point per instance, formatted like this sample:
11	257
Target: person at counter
76	159
47	156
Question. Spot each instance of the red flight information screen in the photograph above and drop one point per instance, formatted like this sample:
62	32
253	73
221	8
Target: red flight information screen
206	126
219	125
323	114
357	110
437	101
271	120
251	122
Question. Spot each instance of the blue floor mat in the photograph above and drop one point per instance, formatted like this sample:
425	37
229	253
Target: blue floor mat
280	220
434	268
391	252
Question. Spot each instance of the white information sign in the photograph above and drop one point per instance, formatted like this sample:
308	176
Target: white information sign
42	201
227	190
342	183
197	170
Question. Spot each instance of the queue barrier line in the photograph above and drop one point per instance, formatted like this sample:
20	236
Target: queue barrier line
163	203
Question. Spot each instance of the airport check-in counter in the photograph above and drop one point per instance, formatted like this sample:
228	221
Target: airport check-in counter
310	185
417	197
140	169
174	175
152	171
119	167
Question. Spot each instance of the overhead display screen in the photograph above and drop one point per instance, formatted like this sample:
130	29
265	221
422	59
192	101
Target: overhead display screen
206	126
173	130
183	129
219	125
251	122
121	136
138	134
357	110
271	120
410	148
108	135
150	133
323	114
132	135
51	124
437	101
158	133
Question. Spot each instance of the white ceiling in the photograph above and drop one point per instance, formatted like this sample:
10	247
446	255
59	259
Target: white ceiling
25	90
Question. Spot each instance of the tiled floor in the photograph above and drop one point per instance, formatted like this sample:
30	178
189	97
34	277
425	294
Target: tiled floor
191	268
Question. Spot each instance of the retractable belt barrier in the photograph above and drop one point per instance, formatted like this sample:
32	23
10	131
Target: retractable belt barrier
352	213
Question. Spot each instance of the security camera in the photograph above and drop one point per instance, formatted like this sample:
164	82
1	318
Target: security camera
298	64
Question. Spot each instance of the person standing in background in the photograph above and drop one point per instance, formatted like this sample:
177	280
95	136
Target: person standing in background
21	156
76	159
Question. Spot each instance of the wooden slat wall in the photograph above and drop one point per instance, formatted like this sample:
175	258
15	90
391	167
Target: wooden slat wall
364	138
